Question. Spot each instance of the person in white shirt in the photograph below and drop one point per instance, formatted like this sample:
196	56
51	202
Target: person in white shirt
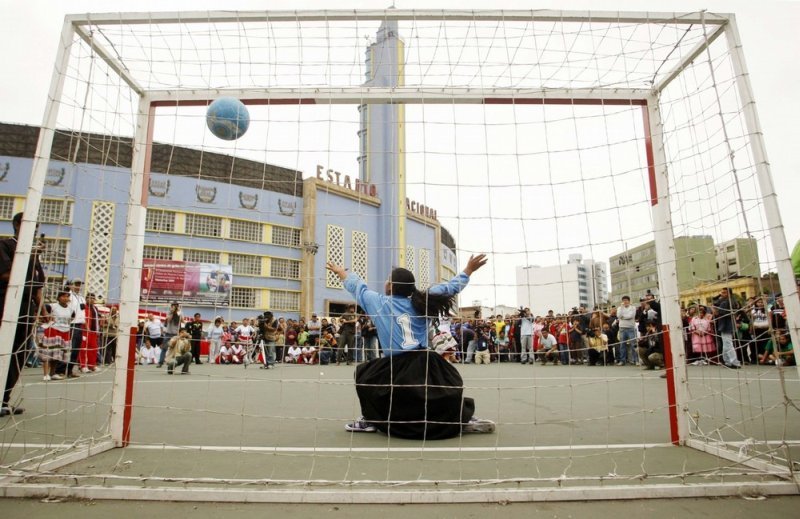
237	353
309	354
225	355
155	355
54	346
548	347
626	316
244	332
155	330
526	336
215	334
145	352
78	335
293	354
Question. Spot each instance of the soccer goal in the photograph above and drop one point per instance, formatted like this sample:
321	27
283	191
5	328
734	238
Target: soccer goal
573	148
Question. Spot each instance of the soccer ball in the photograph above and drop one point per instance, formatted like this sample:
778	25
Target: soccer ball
227	118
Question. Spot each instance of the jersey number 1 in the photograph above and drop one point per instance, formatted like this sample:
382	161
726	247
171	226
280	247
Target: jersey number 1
405	324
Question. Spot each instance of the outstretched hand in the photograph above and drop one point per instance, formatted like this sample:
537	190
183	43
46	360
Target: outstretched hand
336	269
474	263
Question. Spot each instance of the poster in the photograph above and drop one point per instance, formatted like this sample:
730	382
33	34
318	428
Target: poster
186	282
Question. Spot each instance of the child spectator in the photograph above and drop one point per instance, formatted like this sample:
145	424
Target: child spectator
783	355
309	354
293	354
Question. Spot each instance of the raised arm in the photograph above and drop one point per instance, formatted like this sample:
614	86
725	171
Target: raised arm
457	284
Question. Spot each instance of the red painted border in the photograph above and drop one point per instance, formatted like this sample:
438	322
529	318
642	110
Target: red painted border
254	102
651	161
131	367
671	399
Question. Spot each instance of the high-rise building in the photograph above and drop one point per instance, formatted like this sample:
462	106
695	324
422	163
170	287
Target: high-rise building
738	258
634	271
562	287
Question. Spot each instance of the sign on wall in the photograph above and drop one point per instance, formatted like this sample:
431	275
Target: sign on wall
164	281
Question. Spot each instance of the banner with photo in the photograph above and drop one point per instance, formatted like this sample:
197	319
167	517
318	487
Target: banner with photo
186	282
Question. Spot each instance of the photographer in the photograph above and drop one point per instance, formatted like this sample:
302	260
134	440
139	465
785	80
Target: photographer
526	336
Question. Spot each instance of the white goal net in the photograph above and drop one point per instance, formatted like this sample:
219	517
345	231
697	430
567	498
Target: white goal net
591	156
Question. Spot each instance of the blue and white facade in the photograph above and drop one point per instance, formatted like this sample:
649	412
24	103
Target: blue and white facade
276	239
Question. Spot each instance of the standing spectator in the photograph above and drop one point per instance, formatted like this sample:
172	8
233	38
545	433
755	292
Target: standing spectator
347	335
575	341
88	354
267	335
280	338
724	310
195	330
626	317
314	329
700	329
78	332
759	323
370	335
215	334
526	336
55	345
111	330
562	334
155	330
173	327
29	308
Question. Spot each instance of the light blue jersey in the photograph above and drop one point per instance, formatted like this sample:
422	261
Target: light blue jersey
399	327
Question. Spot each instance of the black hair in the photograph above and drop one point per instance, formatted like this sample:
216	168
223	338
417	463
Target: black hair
425	303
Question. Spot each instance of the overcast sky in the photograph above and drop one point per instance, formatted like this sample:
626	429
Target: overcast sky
769	33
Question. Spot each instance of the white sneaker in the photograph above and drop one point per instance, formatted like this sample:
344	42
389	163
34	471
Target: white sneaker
94	369
46	378
479	426
360	426
84	370
56	377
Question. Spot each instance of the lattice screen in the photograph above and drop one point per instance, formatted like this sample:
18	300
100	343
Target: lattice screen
424	278
411	260
359	260
99	254
334	253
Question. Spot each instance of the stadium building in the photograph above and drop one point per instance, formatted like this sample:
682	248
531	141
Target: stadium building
260	235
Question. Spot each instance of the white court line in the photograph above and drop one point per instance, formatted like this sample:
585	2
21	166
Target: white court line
206	379
527	448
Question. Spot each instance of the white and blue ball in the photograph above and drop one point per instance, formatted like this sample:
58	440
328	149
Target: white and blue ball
227	118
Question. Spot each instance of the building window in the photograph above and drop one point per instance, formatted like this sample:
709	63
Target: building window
159	221
244	297
246	231
55	252
203	225
731	248
201	256
55	211
284	300
285	236
284	268
158	253
245	264
6	207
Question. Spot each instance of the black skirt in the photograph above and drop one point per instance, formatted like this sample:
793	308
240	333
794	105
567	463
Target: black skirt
415	395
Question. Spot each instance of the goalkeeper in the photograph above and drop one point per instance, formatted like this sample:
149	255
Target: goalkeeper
411	392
